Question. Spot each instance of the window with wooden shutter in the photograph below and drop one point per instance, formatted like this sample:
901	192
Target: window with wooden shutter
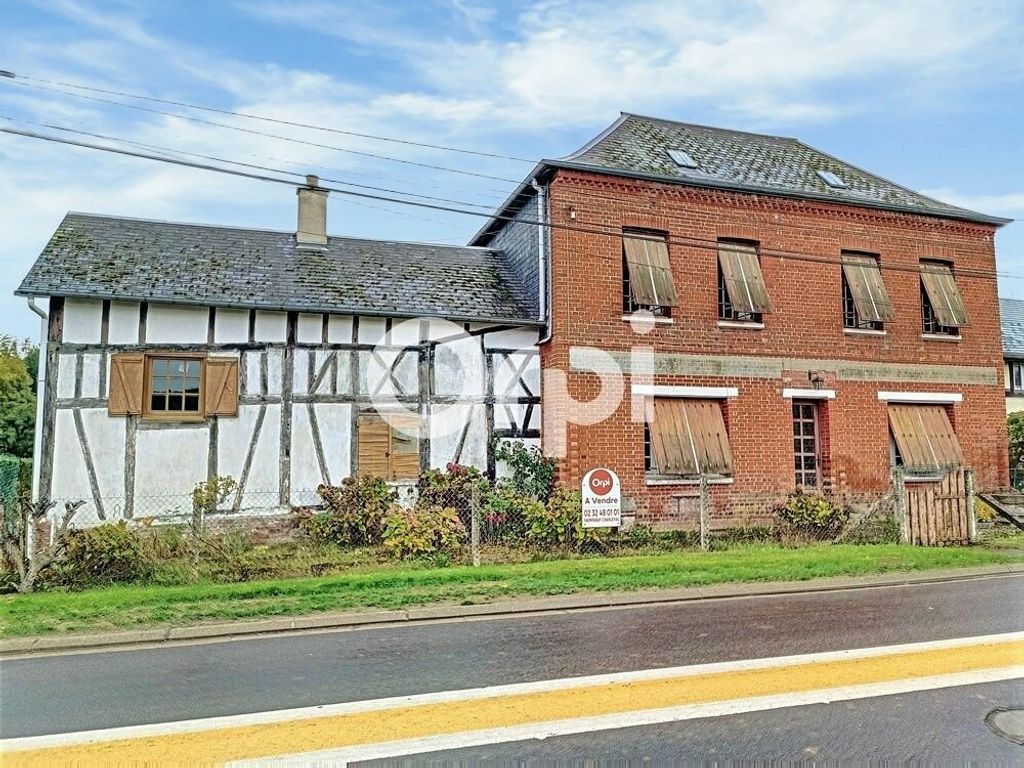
743	294
941	303
389	449
172	386
647	275
923	439
866	303
127	384
221	386
688	437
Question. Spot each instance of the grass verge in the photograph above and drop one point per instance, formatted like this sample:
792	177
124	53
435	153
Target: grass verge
135	607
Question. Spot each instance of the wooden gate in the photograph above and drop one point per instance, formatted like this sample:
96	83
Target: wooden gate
939	514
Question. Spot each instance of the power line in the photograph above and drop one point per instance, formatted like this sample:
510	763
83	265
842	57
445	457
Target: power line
254	132
595	230
278	121
158	148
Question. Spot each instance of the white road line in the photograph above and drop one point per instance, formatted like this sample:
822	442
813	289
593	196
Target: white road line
628	720
471	694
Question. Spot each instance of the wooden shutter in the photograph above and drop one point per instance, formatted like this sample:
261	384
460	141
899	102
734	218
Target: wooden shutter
650	275
221	386
405	446
943	294
127	384
688	437
925	437
867	287
744	282
374	447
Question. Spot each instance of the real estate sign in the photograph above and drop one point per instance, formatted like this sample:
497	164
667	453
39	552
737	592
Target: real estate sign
602	499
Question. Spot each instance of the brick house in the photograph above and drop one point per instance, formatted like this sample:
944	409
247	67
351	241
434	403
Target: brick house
808	323
774	317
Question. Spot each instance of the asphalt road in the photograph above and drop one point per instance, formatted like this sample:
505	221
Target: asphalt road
941	727
66	693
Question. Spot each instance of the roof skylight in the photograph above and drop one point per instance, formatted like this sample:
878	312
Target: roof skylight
682	159
832	180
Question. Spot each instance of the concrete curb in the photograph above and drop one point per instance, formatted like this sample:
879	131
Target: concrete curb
559	603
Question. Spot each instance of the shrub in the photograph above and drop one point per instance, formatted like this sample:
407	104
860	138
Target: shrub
106	554
355	512
505	512
812	515
454	488
533	473
10	467
560	522
1015	427
423	531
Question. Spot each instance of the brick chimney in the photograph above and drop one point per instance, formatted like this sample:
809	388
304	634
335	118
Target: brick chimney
311	232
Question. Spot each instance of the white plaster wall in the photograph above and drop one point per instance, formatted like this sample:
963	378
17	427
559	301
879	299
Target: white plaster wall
168	465
83	319
271	326
334	421
310	329
275	364
66	376
506	378
251	361
405	333
70	479
231	326
459	368
446	425
300	377
233	441
371	330
91	375
171	324
512	338
106	444
375	370
339	329
123	327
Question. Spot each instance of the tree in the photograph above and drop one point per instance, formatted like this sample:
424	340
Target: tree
17	398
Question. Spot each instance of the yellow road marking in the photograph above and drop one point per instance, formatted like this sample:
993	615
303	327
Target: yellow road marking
425	720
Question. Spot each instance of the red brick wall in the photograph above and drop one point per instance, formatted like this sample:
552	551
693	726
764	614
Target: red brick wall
806	322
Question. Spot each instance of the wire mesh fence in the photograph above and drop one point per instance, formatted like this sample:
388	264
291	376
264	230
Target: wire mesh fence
454	517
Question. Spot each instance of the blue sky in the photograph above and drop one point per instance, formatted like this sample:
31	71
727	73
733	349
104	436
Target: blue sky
929	94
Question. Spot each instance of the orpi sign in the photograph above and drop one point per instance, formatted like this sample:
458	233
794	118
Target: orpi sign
602	499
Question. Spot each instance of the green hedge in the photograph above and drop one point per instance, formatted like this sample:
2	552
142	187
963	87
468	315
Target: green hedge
10	472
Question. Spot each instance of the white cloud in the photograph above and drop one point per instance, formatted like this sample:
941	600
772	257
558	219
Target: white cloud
764	61
1009	205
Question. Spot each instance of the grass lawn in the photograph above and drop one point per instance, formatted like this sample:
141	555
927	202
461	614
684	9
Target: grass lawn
398	587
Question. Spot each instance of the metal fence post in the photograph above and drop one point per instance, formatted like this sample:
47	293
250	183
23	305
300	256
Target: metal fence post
899	494
972	519
705	509
474	526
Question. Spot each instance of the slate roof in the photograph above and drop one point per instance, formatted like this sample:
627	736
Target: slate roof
1011	317
637	146
134	259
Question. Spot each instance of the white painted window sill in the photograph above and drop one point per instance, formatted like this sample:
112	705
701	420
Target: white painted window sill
863	332
740	324
923	478
939	337
653	319
690	482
